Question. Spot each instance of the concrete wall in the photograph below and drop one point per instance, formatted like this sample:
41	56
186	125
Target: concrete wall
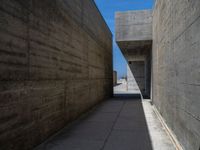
134	25
132	85
176	68
114	78
135	72
55	63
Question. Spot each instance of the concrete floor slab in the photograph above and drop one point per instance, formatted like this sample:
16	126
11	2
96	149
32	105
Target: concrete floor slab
127	140
107	105
102	117
72	144
117	124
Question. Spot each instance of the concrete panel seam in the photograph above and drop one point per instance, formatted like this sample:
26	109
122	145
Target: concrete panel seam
187	28
113	126
189	113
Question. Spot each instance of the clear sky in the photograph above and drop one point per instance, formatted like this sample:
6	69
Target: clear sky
108	9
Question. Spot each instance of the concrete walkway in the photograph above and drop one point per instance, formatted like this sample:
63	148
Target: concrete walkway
121	123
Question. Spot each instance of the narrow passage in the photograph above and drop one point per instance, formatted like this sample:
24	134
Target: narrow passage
122	123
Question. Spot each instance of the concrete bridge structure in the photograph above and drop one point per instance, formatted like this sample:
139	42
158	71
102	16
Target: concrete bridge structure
56	77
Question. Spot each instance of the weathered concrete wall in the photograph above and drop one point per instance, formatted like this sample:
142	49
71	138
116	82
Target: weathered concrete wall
55	63
134	25
176	64
114	78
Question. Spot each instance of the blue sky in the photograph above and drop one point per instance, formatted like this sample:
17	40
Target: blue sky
108	9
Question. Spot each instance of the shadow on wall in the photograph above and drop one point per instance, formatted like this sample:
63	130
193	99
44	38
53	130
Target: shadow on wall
139	74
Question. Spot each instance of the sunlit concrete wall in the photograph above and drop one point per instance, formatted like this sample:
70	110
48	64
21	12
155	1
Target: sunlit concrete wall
134	26
55	63
176	68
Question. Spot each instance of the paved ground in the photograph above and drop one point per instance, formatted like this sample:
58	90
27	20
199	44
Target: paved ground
120	123
122	88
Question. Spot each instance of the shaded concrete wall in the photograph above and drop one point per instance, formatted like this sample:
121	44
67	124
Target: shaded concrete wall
114	78
55	63
140	72
135	72
148	76
176	63
131	82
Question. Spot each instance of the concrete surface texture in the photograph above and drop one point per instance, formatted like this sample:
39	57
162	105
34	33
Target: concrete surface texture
176	64
135	73
134	38
132	84
114	78
137	23
120	123
55	63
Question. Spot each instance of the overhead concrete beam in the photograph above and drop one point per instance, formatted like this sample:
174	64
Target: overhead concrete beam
134	25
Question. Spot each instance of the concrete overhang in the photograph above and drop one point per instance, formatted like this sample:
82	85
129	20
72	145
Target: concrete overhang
134	33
